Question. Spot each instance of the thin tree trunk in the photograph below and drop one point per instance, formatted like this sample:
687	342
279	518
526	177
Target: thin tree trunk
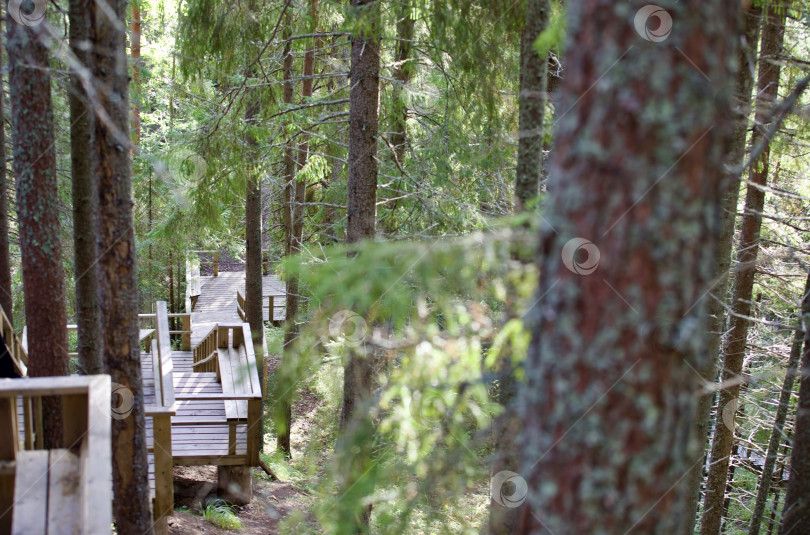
84	198
118	289
135	53
608	410
362	184
403	72
296	195
38	211
6	296
734	351
740	109
778	431
533	88
796	512
533	85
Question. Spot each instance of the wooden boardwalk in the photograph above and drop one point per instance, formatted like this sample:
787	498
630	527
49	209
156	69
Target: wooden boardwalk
217	301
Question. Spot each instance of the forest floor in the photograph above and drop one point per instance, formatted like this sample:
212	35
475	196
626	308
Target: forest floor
273	500
195	485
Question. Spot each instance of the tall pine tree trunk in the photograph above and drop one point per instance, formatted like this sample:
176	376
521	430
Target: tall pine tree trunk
608	412
296	196
533	85
740	110
6	296
796	511
362	166
532	99
734	352
118	289
38	211
778	432
135	53
84	197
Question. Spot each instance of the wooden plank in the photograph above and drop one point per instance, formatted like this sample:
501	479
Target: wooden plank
96	458
64	493
164	486
241	380
8	452
226	375
44	386
250	355
74	419
31	493
165	348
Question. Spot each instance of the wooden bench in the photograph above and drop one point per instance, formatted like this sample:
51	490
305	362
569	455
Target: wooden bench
61	490
224	351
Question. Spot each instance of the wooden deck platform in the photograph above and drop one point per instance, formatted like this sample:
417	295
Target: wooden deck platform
200	429
217	301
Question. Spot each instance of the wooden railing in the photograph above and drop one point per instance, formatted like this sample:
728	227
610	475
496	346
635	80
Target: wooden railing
161	413
184	331
17	349
241	307
205	353
65	490
240	384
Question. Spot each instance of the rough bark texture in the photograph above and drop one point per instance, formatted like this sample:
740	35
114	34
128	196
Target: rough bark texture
6	297
296	195
362	167
734	351
118	290
38	211
796	512
608	411
135	53
532	102
404	69
84	198
778	432
739	109
533	85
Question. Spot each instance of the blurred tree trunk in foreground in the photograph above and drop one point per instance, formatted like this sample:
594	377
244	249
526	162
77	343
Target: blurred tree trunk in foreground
626	257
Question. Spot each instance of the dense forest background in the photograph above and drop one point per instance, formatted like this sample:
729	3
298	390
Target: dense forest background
423	217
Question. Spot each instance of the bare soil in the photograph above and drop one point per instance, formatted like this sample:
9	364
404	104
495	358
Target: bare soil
195	485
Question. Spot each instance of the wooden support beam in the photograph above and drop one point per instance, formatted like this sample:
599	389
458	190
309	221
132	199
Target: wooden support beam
164	485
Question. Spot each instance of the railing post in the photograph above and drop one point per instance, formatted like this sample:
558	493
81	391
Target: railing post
186	338
271	303
8	452
254	430
164	486
216	263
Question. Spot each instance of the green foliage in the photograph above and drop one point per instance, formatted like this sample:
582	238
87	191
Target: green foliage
431	315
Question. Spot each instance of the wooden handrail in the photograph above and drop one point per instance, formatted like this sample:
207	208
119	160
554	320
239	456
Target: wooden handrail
206	349
86	434
165	351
